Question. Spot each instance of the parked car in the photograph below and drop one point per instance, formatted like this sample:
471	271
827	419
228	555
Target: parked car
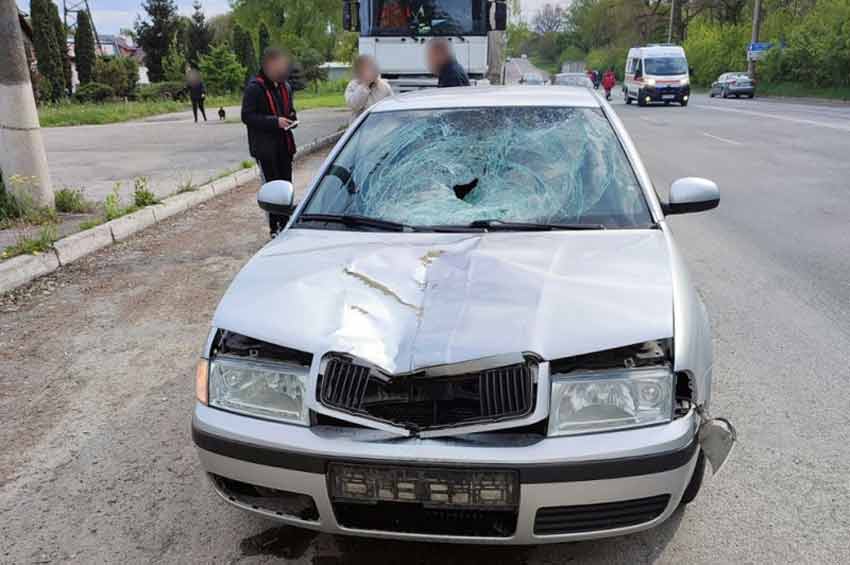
657	73
733	84
476	327
573	79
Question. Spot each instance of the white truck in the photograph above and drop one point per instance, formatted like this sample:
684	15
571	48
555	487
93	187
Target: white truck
394	32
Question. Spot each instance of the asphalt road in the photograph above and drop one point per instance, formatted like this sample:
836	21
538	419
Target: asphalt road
96	368
170	150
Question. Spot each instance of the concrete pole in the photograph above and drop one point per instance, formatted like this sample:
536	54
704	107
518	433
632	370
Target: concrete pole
670	29
751	65
22	158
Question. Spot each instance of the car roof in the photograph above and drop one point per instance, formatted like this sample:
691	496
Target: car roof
489	96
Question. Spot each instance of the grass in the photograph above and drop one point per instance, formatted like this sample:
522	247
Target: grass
793	89
71	201
89	224
142	195
76	114
17	208
32	245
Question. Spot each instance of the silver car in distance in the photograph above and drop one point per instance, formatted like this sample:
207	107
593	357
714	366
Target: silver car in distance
476	328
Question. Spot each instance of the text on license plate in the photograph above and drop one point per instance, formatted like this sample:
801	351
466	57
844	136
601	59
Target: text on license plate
668	96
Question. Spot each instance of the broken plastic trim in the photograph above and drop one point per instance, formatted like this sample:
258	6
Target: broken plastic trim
237	345
540	371
717	438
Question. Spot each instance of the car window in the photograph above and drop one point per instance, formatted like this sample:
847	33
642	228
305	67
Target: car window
455	166
666	66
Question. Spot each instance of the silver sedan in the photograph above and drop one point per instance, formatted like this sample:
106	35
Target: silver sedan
476	327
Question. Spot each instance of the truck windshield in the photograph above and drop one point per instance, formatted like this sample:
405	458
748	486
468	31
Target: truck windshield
438	168
422	17
666	66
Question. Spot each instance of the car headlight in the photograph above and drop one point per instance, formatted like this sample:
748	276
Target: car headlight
685	81
598	401
266	389
650	82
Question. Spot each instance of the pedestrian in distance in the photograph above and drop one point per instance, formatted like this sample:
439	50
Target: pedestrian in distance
367	87
442	64
268	111
609	81
197	93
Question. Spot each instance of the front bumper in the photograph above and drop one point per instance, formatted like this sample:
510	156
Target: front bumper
666	94
649	463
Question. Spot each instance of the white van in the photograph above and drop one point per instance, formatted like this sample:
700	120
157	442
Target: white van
657	73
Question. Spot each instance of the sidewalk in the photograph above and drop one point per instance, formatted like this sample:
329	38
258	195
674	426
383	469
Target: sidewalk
170	150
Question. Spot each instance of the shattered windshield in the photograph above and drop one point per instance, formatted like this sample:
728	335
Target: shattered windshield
428	168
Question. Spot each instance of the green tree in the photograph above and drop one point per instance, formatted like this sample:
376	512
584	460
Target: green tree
294	24
61	45
174	64
264	38
243	47
199	35
45	43
155	33
222	71
310	60
84	48
346	47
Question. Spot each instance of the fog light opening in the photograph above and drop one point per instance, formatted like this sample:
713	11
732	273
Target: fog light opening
648	99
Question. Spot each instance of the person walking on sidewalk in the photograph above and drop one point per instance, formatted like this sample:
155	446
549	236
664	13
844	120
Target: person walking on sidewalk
268	111
367	87
197	93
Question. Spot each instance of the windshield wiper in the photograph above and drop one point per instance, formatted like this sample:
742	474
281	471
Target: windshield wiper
494	225
355	221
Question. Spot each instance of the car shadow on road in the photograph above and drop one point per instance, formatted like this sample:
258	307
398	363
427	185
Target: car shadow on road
293	543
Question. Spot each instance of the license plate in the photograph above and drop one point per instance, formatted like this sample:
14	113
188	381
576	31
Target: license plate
668	96
425	485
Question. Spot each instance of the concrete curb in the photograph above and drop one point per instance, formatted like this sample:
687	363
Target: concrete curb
23	269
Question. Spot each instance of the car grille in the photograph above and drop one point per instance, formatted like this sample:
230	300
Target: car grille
419	519
591	517
421	402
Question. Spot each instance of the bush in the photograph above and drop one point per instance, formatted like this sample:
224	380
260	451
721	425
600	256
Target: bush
94	92
169	90
71	201
714	49
142	195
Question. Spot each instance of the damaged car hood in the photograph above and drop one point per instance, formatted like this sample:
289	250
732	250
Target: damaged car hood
405	301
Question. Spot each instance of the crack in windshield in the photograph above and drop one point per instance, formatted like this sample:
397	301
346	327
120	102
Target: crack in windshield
550	166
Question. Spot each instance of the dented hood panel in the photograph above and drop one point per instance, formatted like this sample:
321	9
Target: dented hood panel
404	301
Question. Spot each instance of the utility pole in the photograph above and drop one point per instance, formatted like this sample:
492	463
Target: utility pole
670	29
751	64
21	149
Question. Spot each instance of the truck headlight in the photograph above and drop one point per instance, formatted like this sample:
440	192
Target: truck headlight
650	82
598	401
273	390
685	82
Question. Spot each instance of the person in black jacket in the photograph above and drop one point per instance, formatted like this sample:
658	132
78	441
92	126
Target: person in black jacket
269	114
442	64
197	93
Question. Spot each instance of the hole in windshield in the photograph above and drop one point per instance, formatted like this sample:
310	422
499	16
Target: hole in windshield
438	168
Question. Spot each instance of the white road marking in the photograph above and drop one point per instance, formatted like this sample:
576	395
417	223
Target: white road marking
723	139
840	127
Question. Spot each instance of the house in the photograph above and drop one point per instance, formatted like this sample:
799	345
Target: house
112	46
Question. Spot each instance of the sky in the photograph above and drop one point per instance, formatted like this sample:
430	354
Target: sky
112	15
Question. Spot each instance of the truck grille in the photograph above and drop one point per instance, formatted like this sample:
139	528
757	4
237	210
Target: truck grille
421	402
606	516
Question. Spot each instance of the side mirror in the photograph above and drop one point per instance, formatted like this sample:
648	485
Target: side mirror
350	13
277	197
692	194
498	16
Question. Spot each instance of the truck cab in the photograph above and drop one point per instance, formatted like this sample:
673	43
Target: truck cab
657	73
395	32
